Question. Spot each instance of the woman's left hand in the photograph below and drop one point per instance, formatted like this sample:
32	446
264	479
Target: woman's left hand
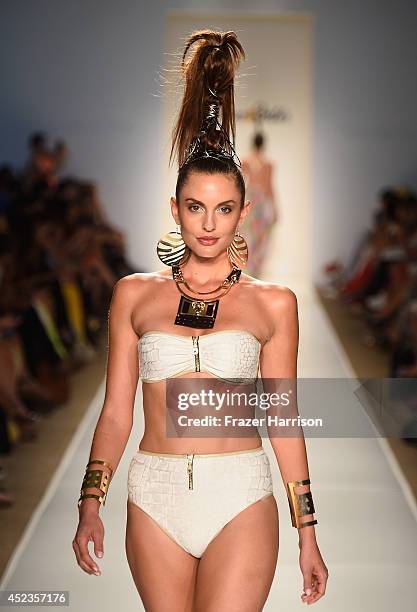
314	572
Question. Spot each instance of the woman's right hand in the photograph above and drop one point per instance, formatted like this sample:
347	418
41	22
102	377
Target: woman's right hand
314	570
90	527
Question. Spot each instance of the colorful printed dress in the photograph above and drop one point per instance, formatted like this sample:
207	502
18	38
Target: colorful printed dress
256	228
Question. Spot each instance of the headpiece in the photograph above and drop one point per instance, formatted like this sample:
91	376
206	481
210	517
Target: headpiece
199	147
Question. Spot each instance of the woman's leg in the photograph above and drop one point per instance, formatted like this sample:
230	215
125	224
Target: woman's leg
236	571
164	573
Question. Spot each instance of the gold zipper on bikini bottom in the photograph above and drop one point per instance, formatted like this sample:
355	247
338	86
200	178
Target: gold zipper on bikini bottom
196	351
190	470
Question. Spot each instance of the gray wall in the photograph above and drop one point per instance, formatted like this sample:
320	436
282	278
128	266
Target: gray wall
88	72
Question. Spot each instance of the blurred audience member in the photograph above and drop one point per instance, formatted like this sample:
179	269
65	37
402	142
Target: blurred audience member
380	283
59	260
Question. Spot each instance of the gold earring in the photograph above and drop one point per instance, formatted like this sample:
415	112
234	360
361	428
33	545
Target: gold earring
237	251
172	250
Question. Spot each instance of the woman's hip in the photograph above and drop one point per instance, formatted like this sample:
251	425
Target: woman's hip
164	475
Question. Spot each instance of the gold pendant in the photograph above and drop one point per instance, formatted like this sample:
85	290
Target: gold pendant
196	313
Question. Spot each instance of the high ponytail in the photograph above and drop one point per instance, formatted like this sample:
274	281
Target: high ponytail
209	64
212	62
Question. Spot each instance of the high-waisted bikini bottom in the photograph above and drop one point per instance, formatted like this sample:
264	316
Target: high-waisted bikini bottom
192	497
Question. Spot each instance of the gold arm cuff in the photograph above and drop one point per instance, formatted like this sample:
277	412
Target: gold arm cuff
307	524
300	504
96	479
105	463
84	495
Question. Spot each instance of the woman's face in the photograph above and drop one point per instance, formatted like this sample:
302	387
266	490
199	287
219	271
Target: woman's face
209	207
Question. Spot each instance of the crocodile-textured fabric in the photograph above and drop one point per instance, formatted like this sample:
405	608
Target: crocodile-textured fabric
231	355
222	486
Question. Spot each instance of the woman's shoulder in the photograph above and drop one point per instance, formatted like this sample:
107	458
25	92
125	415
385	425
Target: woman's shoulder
269	291
144	277
267	285
132	283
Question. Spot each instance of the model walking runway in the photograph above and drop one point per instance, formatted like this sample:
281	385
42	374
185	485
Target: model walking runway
368	530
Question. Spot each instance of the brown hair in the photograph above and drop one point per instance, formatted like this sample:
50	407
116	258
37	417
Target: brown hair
258	140
208	66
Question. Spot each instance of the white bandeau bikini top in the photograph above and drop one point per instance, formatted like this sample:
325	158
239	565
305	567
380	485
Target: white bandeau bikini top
231	355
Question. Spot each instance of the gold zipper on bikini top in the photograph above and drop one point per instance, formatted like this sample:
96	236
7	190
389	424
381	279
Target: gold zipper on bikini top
196	351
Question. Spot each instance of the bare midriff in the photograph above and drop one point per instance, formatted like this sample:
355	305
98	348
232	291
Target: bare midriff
221	440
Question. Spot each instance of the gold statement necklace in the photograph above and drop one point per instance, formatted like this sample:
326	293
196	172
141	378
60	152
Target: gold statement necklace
201	313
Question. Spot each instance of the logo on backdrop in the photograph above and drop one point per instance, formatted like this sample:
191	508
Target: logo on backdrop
262	112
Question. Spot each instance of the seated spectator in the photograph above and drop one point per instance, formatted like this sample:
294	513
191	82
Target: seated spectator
380	284
60	258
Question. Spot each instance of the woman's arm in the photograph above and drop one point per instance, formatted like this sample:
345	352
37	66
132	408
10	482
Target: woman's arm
116	419
279	363
115	422
279	374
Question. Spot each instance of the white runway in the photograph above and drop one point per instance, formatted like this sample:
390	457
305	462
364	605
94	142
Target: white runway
366	515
